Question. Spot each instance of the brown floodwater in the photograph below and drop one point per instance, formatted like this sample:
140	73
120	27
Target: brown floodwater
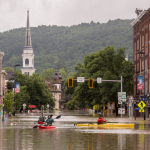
18	133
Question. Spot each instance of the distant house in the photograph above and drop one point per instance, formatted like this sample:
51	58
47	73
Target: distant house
55	88
9	74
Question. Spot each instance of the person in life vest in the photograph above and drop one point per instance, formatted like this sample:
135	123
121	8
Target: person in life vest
101	120
42	118
49	121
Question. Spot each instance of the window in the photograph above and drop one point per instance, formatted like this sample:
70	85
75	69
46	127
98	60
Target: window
59	86
27	73
27	62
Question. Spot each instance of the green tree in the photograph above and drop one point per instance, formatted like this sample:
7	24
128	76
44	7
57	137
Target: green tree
22	97
39	92
109	64
47	74
9	102
33	91
63	74
8	69
71	105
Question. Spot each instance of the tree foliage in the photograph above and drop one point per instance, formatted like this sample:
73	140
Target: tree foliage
9	101
33	91
63	47
109	64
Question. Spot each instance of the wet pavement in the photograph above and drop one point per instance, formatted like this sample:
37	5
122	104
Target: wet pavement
18	133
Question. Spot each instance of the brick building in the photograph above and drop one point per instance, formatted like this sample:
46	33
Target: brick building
141	39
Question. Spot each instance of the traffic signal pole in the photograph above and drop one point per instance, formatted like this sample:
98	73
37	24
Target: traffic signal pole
99	80
121	92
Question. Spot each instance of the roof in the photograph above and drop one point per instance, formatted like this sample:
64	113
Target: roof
9	74
57	73
139	17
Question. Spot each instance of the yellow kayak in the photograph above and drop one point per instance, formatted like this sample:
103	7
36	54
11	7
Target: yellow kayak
107	125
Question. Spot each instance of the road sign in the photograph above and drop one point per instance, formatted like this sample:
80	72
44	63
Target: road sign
121	110
137	108
141	105
80	79
99	80
120	101
122	95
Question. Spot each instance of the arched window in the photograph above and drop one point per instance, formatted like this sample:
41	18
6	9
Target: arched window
27	62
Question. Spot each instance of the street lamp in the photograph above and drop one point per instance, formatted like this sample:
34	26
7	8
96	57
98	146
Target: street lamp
3	107
128	104
15	85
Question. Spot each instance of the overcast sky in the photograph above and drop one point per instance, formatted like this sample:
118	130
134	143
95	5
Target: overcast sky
13	13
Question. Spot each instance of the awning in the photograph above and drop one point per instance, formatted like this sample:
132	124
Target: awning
32	106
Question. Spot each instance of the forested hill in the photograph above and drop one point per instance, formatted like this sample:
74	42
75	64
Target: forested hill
63	47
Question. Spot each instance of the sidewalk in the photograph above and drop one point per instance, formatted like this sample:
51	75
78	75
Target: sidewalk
129	120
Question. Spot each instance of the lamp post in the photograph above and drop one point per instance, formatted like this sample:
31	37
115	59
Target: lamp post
15	85
3	107
128	104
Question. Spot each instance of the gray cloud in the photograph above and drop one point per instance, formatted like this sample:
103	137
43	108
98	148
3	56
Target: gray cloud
65	12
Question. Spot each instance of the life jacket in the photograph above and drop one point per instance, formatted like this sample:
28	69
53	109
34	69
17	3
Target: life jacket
99	120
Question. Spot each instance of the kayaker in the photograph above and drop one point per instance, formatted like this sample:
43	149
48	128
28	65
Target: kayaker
49	120
100	120
42	118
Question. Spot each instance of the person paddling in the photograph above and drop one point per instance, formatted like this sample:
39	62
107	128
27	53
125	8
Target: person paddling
100	120
49	120
42	118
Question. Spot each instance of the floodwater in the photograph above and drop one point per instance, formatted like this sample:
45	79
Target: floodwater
18	134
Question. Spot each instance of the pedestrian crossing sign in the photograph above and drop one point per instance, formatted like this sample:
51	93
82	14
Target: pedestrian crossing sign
141	105
141	110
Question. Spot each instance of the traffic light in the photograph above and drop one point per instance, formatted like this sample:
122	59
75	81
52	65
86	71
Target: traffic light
70	82
90	83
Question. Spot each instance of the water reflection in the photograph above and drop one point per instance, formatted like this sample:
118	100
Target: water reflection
66	136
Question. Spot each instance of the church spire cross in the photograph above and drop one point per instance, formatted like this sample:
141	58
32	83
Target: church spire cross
28	34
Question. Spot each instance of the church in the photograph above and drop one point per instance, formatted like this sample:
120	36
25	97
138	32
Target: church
28	56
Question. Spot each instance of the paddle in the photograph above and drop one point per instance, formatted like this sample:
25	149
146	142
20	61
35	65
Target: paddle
58	117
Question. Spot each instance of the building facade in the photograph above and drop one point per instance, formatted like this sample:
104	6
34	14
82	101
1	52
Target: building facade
28	56
55	87
141	39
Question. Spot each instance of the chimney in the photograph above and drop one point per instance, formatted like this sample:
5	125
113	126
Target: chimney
138	11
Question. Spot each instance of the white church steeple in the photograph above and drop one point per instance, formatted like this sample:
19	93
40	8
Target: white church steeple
28	56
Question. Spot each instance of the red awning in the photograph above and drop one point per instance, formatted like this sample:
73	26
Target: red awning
32	106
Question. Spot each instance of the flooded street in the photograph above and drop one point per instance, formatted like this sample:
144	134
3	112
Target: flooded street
18	133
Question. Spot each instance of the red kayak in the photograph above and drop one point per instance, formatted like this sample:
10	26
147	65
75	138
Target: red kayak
46	127
40	122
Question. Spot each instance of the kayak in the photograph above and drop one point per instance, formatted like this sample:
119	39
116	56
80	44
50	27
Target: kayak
46	127
40	122
107	125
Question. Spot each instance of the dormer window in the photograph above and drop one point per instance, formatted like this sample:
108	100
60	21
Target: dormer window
27	62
